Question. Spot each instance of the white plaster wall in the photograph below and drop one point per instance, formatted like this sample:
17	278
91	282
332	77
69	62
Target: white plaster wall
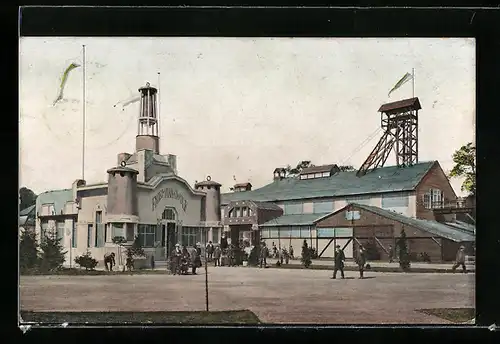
190	217
308	207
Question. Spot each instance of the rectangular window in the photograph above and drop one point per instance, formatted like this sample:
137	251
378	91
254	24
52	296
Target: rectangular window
325	232
90	229
146	235
245	211
305	232
117	230
98	217
188	237
395	201
99	235
343	232
215	235
437	198
168	214
60	231
264	233
293	208
284	232
352	215
73	234
325	174
295	232
130	232
273	233
323	207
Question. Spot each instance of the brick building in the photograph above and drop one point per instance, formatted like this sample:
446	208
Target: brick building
312	205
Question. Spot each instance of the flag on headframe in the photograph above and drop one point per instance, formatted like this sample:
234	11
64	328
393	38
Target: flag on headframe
407	77
64	79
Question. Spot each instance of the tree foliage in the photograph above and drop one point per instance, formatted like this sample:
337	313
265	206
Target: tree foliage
52	257
306	255
28	251
404	256
27	197
465	167
86	261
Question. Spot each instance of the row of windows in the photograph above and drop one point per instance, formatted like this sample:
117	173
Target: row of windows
339	232
286	232
240	212
433	199
315	175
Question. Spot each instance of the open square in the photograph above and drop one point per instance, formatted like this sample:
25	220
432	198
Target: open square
276	296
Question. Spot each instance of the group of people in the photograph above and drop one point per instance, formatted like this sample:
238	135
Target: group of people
339	260
181	259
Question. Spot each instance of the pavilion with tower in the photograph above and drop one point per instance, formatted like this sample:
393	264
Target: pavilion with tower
143	198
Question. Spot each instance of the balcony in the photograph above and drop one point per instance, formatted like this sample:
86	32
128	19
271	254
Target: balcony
450	207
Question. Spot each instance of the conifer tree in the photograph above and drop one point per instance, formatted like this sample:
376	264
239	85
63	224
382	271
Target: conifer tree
52	257
28	250
404	256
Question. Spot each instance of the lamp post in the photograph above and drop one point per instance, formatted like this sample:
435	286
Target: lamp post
206	270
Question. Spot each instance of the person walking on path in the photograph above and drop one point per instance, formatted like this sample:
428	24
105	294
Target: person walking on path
339	259
196	258
460	260
361	260
210	250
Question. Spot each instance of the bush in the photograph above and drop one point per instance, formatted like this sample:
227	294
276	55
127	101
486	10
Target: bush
28	251
52	257
372	251
404	257
424	257
86	261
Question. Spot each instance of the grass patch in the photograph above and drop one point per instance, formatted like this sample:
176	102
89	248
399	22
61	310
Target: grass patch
456	315
83	272
201	318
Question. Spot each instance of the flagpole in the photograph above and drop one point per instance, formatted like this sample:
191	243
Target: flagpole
83	115
413	82
159	111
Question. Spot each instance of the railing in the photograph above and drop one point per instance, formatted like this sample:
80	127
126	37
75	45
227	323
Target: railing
446	204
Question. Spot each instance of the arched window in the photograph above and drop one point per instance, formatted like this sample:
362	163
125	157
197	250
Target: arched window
168	214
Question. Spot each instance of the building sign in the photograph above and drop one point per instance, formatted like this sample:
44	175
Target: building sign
169	193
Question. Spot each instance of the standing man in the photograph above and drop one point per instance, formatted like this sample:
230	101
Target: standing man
339	259
361	260
391	254
196	258
460	260
217	254
210	250
176	259
263	254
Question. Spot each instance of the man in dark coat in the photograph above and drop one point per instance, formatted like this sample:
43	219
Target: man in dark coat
264	252
210	250
339	259
460	260
196	258
109	259
361	260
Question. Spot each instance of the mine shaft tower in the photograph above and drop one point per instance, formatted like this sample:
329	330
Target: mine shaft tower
399	120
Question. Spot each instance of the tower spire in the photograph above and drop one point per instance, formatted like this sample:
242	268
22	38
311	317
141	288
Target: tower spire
147	123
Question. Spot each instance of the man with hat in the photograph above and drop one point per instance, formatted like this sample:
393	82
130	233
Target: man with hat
176	259
361	260
196	258
460	260
339	259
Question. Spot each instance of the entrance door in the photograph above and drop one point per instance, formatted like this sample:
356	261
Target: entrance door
171	238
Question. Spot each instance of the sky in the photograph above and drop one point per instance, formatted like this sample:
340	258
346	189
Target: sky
237	108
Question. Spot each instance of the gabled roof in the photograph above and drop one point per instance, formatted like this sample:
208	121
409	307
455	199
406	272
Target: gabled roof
320	169
293	220
385	179
432	227
239	185
28	210
57	197
401	105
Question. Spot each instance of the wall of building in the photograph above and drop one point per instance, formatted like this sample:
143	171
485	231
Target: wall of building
190	216
387	231
435	179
